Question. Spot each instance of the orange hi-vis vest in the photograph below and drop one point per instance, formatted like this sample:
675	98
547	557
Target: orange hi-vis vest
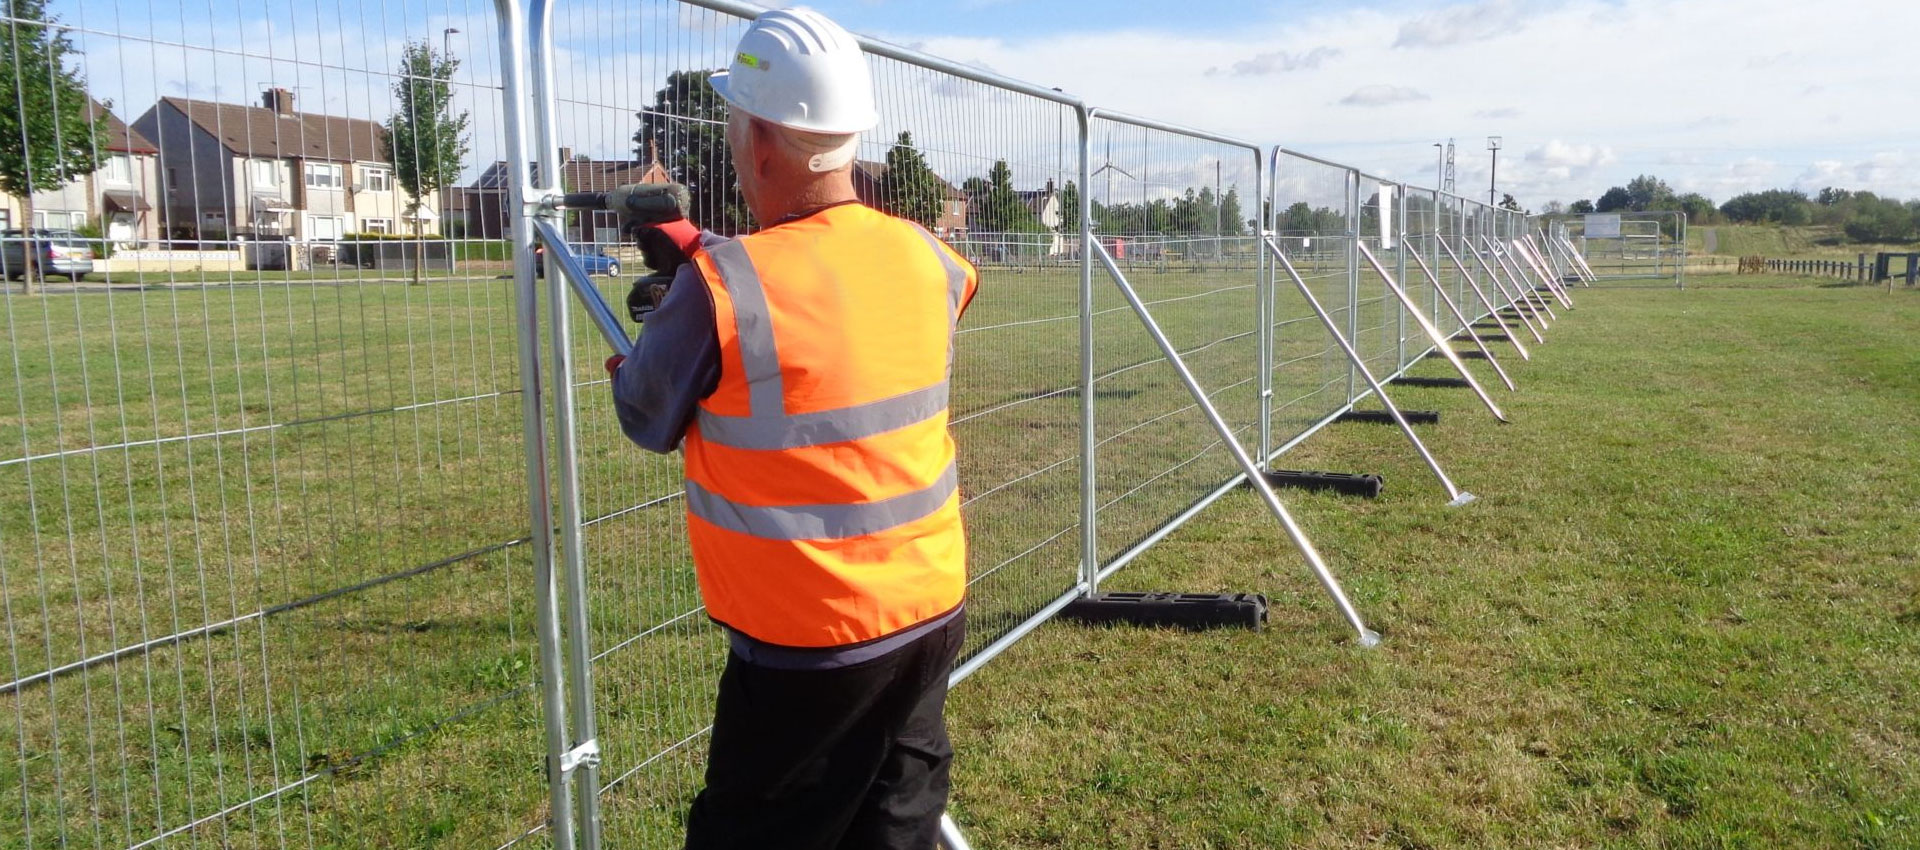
822	503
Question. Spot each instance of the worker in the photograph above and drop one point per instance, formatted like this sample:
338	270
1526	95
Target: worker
802	370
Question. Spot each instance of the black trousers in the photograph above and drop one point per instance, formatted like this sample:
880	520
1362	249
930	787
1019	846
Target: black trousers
844	759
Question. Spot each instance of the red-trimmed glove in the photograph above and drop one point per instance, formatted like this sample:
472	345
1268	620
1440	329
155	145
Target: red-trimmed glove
613	364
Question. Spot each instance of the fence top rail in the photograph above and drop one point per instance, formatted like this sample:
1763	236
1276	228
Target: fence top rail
1279	151
910	56
1150	124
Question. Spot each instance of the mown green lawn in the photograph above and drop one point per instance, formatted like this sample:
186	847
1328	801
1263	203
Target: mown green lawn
1685	612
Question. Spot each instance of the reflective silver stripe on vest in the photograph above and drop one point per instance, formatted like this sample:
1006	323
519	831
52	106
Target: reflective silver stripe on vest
956	277
821	522
753	324
860	421
767	426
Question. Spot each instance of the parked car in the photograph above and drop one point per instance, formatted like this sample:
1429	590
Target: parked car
594	260
61	252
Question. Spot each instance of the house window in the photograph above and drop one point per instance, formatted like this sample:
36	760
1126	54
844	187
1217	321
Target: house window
265	173
325	227
378	225
6	219
173	179
321	175
117	169
376	179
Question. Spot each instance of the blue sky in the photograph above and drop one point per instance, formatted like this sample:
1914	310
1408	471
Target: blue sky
1715	96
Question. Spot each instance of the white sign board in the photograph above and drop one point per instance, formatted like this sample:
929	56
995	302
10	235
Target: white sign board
1603	226
1386	217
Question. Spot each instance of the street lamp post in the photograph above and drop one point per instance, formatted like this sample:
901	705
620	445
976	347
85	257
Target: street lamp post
446	41
1493	174
1440	166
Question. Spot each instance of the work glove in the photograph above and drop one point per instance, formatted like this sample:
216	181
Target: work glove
655	216
646	295
613	364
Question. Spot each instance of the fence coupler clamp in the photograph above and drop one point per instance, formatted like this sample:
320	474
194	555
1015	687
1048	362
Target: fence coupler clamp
587	754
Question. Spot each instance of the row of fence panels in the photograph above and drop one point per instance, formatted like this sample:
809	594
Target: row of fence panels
267	567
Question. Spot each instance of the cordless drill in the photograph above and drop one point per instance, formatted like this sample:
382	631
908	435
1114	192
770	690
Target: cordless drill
654	217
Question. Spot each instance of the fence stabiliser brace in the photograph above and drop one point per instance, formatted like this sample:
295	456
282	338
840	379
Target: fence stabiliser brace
1381	417
1363	484
1194	611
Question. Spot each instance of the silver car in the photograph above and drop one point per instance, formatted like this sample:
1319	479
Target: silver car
61	252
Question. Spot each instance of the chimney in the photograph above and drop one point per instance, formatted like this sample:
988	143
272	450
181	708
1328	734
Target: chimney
278	99
566	155
1049	185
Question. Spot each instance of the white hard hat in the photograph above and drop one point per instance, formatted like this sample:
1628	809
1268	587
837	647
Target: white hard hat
797	69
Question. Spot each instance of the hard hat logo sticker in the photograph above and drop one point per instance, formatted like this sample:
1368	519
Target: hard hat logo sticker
753	61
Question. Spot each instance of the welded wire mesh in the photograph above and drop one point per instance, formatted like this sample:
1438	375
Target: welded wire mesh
262	516
1645	249
988	170
1314	218
1177	214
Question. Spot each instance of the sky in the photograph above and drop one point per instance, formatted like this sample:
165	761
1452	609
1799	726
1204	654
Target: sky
1713	96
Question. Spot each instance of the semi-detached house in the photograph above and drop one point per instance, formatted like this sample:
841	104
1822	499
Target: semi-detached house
118	195
270	171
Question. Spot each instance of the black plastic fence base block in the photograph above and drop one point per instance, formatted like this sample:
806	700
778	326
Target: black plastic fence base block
1381	417
1494	338
1363	484
1411	381
1467	354
1194	611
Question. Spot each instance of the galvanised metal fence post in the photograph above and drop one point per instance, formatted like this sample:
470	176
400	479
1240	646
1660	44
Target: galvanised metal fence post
1353	274
1089	442
1264	283
1398	227
581	763
522	200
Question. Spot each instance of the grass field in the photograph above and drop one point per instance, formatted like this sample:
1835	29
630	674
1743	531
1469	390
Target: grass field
1684	613
1780	242
360	443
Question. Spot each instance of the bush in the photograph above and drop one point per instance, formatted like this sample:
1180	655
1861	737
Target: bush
1880	220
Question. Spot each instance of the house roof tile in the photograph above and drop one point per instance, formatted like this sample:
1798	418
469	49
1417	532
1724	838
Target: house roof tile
262	132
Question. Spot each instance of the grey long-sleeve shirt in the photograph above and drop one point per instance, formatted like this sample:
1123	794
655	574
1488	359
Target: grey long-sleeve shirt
675	363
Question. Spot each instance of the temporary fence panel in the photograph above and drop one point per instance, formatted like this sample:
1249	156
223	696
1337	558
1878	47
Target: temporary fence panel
1016	401
264	543
1630	248
1314	221
296	552
1170	209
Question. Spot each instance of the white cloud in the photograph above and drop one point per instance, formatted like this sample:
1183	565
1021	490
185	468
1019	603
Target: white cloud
1382	96
1555	86
1280	62
1463	24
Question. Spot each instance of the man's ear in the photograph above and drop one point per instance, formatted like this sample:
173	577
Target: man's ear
761	147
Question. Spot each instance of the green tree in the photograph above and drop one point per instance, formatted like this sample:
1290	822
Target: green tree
1070	208
1880	220
1231	222
426	141
1508	203
687	128
1699	208
1648	192
1580	207
1831	196
48	137
910	189
1000	208
1773	206
1615	199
